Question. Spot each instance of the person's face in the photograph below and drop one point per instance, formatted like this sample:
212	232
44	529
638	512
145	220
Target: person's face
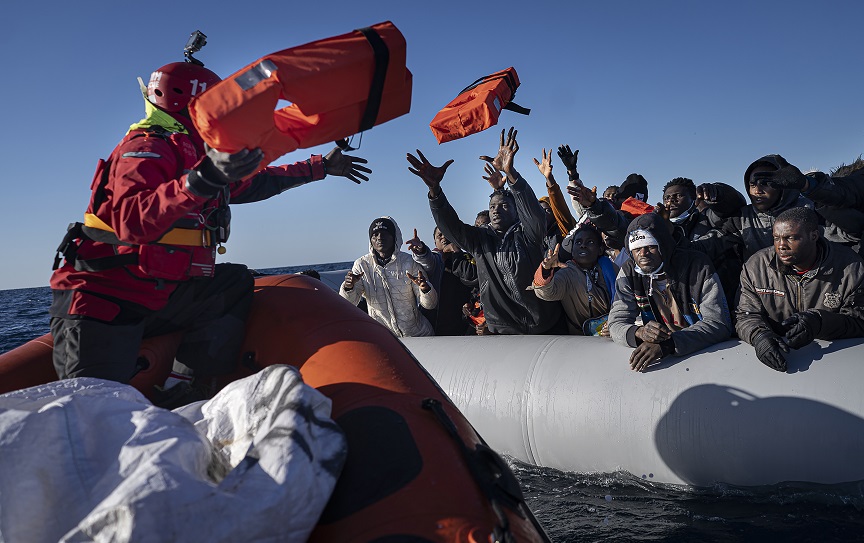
763	196
794	245
647	258
481	220
677	200
382	243
609	194
587	248
443	244
502	213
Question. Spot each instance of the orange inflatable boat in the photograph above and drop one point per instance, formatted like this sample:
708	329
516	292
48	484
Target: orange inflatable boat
416	469
478	106
337	87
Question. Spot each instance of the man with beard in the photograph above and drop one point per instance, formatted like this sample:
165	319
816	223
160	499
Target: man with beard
507	250
800	289
675	291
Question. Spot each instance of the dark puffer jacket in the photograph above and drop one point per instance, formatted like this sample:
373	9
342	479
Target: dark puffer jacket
693	283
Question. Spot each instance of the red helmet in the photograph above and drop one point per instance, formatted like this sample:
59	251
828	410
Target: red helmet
172	86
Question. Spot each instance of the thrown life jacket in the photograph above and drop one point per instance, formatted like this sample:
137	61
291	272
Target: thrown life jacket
337	87
478	106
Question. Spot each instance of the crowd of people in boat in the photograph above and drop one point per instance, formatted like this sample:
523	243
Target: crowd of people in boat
669	279
699	267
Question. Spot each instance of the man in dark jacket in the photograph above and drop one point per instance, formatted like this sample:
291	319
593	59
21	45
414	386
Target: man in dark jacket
676	292
679	199
453	273
507	250
800	289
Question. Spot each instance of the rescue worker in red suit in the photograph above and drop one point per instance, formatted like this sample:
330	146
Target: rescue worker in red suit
143	262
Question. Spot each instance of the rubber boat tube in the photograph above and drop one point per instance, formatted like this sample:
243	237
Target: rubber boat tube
572	403
416	470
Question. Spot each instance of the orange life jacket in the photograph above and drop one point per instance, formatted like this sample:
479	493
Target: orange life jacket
337	87
478	106
636	207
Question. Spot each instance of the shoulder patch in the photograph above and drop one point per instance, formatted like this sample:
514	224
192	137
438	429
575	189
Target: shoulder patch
141	154
832	300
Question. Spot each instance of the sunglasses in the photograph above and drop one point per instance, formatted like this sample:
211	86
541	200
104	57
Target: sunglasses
762	183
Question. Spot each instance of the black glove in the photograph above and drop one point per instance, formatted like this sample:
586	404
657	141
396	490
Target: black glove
219	169
769	349
569	158
802	328
787	177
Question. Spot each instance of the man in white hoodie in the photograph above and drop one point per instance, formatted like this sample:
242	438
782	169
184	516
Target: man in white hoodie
392	283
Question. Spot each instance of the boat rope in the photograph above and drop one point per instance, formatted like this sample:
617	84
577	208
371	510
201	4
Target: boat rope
492	475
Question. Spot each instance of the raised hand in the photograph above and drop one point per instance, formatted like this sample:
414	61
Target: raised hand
416	245
431	175
568	158
551	261
585	196
545	166
707	192
507	150
787	177
350	279
419	280
493	177
348	166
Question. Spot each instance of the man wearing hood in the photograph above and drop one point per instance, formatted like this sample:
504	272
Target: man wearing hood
392	283
507	250
676	292
800	289
839	198
750	229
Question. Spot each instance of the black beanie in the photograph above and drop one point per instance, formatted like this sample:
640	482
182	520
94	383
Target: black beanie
635	186
382	223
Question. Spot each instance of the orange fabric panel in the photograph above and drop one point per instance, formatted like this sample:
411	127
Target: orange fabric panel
636	207
327	83
476	108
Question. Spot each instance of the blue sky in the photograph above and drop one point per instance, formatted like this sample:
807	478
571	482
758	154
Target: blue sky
666	89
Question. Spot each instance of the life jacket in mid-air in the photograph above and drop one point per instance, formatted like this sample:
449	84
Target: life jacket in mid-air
478	106
337	87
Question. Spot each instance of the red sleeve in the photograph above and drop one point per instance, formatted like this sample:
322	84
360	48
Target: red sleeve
144	195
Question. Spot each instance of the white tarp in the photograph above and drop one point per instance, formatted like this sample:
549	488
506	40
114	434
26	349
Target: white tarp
93	460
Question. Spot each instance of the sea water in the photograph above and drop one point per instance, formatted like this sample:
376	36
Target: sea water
604	506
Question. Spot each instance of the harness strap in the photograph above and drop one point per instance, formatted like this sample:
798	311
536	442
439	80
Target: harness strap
376	89
175	236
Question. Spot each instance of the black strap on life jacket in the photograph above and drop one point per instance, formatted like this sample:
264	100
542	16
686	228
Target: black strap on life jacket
376	89
492	475
511	82
68	249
